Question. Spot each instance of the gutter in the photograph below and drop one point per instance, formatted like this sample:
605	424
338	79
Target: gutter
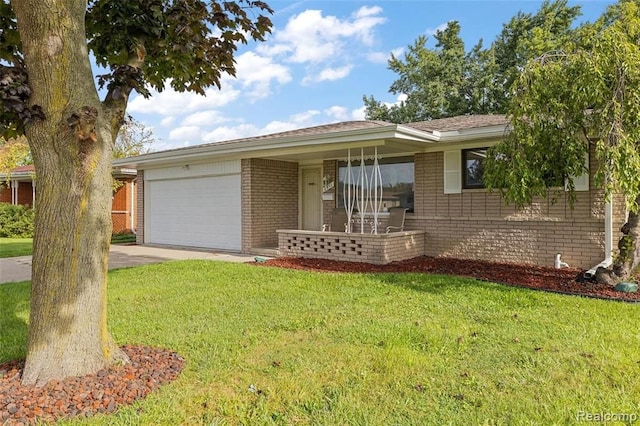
608	241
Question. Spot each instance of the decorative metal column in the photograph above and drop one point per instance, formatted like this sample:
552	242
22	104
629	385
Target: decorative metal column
363	193
346	193
375	185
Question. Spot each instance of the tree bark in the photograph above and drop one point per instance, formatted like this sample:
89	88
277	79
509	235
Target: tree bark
628	257
72	150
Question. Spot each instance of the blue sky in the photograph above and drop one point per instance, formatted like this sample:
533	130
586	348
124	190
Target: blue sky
321	58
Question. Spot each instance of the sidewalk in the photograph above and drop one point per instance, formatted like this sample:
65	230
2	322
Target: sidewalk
14	269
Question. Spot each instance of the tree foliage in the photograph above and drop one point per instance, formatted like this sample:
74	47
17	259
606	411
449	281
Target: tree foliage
48	93
566	101
134	138
13	153
448	81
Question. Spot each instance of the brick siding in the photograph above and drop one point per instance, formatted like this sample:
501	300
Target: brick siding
5	193
476	224
121	208
269	201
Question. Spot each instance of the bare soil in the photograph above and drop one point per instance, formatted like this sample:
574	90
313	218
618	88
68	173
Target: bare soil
566	281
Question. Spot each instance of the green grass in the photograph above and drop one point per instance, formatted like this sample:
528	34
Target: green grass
12	247
321	348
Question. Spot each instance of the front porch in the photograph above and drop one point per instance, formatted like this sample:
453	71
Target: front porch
378	249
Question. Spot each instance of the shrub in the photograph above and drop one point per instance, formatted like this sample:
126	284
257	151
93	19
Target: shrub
125	237
16	221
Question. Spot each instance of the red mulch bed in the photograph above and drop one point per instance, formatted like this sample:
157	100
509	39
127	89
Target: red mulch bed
102	392
566	281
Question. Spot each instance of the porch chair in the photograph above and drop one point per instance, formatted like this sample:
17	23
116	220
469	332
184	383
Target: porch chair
338	221
396	219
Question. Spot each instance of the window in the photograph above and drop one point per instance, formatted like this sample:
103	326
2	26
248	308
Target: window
397	181
473	167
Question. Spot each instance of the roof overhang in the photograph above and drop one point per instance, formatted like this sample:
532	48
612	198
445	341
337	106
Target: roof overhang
391	139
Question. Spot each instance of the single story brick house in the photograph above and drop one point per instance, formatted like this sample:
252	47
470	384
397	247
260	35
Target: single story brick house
275	192
21	187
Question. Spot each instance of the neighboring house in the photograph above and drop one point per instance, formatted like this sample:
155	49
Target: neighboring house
276	191
22	185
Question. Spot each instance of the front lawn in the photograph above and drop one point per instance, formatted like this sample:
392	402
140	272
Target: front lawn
273	346
12	247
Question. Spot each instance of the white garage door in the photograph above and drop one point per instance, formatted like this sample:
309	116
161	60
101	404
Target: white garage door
194	212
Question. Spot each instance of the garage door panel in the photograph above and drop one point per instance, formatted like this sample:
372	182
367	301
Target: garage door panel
196	212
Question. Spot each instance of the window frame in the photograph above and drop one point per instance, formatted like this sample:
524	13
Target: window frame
464	169
402	159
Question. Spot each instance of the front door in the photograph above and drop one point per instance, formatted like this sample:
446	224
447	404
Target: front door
311	199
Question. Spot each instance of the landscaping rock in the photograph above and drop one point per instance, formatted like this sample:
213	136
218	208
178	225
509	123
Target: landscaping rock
85	396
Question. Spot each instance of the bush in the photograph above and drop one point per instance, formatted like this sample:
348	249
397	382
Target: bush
126	237
16	221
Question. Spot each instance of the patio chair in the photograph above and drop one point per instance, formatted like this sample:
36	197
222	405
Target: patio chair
396	219
338	221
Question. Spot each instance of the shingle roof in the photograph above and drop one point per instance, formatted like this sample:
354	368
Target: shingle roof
461	122
441	125
27	168
307	131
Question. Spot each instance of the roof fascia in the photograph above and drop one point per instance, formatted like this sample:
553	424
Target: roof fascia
471	134
281	146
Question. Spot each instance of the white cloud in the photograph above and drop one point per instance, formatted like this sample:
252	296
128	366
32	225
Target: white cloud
225	133
432	31
204	118
296	121
378	57
312	37
359	114
305	116
256	73
186	133
169	102
336	112
382	57
329	74
167	121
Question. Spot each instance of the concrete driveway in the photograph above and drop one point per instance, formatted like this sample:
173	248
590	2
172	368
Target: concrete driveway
14	269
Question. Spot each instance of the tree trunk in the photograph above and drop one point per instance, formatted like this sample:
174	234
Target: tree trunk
629	252
72	150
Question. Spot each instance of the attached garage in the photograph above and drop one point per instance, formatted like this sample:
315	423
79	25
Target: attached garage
194	206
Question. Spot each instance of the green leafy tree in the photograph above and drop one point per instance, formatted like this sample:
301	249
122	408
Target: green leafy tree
432	79
134	138
14	152
48	92
446	81
527	36
565	102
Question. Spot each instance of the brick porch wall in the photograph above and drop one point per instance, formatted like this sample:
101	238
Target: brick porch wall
140	208
377	249
269	201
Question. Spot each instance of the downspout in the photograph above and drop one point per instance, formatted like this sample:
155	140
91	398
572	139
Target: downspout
133	207
14	192
608	241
